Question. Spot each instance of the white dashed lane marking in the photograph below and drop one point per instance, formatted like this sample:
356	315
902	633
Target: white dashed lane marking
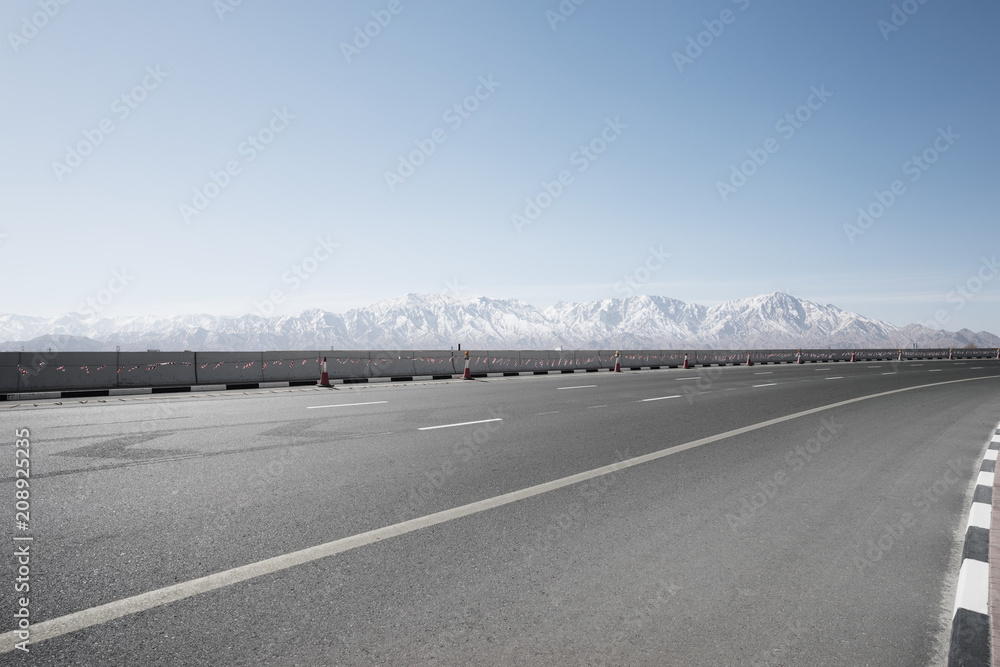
481	421
343	405
771	384
579	386
659	398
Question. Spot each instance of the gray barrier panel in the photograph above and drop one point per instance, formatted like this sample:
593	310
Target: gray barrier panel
229	367
502	361
348	364
47	371
391	363
289	366
9	371
156	369
434	362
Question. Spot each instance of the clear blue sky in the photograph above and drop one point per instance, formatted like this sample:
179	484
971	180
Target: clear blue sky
345	115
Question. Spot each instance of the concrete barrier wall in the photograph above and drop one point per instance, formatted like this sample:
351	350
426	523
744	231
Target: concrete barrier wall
282	366
9	370
67	370
433	362
54	371
156	369
230	367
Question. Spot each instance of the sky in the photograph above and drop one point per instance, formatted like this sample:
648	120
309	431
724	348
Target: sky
230	157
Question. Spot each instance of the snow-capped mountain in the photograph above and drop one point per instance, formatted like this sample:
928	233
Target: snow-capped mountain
440	322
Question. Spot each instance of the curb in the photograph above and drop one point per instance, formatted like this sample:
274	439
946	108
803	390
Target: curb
970	625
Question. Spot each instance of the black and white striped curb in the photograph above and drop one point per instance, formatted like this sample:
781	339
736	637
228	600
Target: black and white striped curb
970	625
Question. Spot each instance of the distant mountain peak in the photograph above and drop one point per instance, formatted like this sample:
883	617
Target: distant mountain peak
441	321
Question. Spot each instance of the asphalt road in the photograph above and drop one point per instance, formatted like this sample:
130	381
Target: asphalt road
826	538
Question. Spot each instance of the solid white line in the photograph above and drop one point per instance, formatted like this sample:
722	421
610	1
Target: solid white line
973	586
481	421
582	386
979	515
765	385
342	405
110	611
661	398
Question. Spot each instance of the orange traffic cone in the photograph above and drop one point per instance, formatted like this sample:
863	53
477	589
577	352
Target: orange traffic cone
468	368
324	377
749	361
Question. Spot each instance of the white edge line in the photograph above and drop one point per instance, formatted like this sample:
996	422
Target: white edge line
111	610
342	405
481	421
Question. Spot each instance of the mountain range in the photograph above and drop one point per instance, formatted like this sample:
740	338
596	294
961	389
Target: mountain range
437	321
